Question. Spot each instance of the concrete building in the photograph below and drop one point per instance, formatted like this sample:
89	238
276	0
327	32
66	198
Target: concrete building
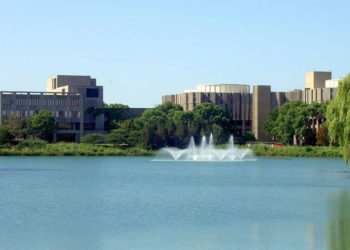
221	88
234	98
316	79
261	109
71	99
250	110
92	97
333	83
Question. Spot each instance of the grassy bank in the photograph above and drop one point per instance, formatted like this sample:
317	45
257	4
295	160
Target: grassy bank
72	149
41	148
296	151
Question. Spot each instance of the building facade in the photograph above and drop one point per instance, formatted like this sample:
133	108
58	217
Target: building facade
233	98
71	100
250	111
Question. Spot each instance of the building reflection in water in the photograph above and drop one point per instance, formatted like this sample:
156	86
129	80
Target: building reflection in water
338	231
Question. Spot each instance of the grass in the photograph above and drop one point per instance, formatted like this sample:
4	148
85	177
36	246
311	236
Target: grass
41	148
296	151
72	149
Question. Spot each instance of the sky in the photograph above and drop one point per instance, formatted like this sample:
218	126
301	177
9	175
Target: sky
140	50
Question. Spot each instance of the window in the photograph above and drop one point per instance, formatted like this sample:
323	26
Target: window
91	92
61	114
89	126
75	114
65	125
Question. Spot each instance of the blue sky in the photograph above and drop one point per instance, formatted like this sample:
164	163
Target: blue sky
141	50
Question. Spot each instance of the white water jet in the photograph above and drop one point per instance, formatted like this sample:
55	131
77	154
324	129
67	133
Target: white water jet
206	151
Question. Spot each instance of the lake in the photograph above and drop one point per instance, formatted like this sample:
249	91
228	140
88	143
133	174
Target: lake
138	203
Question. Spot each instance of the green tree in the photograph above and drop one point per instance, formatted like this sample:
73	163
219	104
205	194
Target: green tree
17	126
248	136
183	122
117	136
94	138
205	115
322	136
271	126
115	113
219	134
43	125
6	134
148	138
287	121
169	125
116	106
157	127
338	118
123	134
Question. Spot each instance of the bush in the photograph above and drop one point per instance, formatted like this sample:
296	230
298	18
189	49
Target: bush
248	136
296	151
322	136
93	139
6	134
43	125
31	143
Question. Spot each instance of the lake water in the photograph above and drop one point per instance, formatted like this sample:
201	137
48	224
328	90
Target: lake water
137	203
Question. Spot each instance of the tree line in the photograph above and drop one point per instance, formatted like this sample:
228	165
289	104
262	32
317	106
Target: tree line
295	120
41	125
169	125
298	123
165	125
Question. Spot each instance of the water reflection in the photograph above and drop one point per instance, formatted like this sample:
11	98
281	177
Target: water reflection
339	221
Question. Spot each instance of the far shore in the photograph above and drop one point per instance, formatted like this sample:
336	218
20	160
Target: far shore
296	151
75	149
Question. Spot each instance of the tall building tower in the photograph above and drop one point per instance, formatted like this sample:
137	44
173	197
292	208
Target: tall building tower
317	79
261	108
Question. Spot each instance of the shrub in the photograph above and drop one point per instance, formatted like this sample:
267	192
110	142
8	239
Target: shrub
6	134
31	143
93	138
322	136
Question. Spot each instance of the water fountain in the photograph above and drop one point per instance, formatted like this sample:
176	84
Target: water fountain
206	151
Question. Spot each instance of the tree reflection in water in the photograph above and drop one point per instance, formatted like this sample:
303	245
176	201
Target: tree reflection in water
339	222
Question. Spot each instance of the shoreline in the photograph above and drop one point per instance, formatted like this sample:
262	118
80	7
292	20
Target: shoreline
80	149
296	151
